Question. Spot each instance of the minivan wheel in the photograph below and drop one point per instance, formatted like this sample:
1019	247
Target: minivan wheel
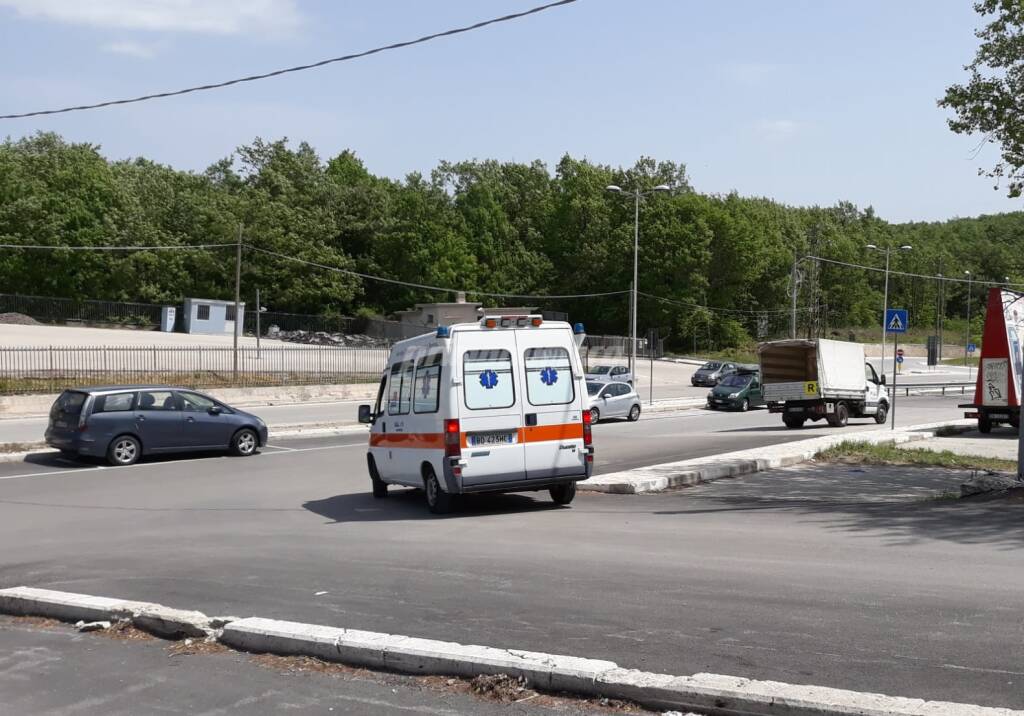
634	413
124	450
563	494
438	501
745	405
244	443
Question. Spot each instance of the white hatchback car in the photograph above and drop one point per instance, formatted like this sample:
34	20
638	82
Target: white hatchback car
613	400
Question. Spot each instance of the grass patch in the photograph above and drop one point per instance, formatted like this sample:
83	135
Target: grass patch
972	361
197	380
863	453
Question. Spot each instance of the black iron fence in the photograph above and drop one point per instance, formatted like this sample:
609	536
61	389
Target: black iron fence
51	369
68	310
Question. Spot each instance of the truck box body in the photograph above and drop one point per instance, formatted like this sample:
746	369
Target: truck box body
809	370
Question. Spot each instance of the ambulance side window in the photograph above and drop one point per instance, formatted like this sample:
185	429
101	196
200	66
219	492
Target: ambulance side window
400	388
427	389
487	379
549	376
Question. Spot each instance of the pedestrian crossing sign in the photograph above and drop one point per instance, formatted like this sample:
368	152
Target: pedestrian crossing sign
896	320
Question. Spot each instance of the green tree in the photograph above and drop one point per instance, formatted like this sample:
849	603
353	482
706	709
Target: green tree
992	101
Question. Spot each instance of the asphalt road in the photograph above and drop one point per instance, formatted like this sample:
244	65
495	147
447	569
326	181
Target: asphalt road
53	670
837	588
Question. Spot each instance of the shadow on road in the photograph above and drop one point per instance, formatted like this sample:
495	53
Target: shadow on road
907	505
411	505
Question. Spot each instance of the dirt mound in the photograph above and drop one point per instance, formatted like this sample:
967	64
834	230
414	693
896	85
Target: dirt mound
19	319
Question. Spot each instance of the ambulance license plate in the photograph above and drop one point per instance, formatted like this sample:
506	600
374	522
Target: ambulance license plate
502	438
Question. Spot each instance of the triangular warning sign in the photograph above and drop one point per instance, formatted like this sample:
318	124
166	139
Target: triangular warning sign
895	324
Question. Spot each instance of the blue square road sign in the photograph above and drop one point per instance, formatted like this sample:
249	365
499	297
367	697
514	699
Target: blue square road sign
971	348
896	320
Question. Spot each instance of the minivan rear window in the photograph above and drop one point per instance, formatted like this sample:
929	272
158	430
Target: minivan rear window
69	402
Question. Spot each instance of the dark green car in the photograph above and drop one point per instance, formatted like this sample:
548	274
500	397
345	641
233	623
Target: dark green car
740	391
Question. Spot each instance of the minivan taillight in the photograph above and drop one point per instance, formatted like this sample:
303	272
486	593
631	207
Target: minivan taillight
82	425
452	439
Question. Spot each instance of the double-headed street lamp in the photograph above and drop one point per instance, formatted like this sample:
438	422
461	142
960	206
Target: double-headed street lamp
637	195
885	300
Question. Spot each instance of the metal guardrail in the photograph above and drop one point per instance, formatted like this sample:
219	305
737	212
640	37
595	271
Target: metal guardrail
943	387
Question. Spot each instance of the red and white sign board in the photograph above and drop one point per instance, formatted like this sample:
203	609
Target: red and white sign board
1000	369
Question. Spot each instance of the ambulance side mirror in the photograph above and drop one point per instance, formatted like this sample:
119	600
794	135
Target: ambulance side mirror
365	414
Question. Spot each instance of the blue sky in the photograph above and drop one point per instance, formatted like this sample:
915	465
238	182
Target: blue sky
804	102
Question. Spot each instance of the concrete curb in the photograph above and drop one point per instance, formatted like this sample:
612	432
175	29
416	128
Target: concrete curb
68	606
656	478
709	693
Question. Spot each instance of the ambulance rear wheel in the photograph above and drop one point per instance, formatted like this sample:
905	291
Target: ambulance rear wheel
984	424
438	501
380	488
563	494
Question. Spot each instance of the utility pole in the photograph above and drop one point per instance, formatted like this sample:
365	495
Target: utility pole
793	287
259	309
238	301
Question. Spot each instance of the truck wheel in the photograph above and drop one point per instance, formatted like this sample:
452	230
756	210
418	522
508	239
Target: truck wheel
882	413
840	417
984	424
563	494
380	488
792	423
438	501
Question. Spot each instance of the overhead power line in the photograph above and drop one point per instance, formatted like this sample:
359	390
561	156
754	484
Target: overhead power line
933	277
428	287
297	68
51	247
743	311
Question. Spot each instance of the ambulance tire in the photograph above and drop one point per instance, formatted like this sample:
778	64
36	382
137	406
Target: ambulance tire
439	502
380	488
984	424
563	494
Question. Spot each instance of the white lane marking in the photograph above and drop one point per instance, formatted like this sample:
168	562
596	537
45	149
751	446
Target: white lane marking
82	470
279	447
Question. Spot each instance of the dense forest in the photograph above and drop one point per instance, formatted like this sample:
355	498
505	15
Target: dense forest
713	266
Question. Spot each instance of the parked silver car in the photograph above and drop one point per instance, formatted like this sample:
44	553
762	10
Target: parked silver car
608	373
613	400
124	422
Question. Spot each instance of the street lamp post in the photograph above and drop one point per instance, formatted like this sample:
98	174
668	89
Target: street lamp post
637	196
885	298
967	333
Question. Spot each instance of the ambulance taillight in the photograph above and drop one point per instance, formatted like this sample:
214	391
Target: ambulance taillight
588	436
452	439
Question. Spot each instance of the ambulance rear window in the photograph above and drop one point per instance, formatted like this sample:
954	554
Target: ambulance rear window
487	379
549	376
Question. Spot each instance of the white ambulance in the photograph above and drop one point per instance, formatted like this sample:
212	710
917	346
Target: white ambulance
494	406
